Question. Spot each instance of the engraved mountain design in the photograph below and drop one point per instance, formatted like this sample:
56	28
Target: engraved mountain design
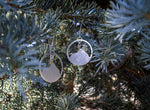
80	58
51	74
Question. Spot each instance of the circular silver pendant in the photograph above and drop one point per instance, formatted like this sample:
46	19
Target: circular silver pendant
80	57
50	72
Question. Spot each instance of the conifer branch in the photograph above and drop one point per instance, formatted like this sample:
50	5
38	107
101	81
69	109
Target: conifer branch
80	17
127	57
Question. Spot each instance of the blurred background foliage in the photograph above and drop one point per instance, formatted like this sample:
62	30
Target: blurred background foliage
117	78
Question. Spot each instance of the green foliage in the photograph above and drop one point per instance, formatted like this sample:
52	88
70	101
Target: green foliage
130	21
67	102
117	78
21	3
144	53
14	51
108	53
141	89
127	16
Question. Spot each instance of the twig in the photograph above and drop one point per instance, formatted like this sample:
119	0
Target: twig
127	57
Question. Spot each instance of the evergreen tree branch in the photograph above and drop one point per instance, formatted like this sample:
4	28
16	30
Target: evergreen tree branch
127	57
80	17
127	16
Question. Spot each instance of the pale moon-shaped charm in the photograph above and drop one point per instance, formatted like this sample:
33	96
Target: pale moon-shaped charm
51	73
80	57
